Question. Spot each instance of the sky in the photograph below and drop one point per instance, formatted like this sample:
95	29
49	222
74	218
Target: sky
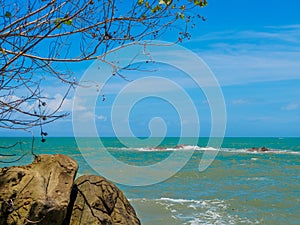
253	50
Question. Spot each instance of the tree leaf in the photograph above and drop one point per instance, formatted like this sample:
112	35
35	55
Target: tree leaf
68	22
156	9
181	16
140	2
7	14
201	3
196	2
57	22
165	2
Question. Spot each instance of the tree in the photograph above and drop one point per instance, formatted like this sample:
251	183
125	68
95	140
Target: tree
40	38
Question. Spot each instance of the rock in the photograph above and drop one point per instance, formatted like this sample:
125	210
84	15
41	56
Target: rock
180	146
38	193
262	149
99	202
44	193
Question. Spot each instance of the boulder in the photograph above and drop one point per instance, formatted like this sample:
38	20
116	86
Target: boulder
96	201
255	149
44	193
38	193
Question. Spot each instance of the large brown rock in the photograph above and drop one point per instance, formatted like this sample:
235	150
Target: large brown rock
38	193
99	202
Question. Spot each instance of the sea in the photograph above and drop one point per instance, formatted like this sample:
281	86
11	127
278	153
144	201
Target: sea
238	186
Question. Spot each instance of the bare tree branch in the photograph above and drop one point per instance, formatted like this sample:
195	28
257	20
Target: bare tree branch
38	39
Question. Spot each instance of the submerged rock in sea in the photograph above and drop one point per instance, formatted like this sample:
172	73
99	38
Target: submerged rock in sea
255	149
38	193
97	201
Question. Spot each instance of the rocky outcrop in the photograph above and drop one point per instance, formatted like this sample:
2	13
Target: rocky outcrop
44	193
98	201
255	149
38	193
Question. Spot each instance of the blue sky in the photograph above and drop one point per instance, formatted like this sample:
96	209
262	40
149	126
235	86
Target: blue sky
254	52
252	47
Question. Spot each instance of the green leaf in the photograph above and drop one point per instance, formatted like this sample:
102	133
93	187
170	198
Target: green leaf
147	5
140	2
168	2
181	16
68	22
156	9
7	14
201	3
165	2
57	22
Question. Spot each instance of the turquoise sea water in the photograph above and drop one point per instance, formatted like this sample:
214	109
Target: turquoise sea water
239	187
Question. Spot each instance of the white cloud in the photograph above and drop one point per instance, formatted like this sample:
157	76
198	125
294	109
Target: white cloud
52	104
291	26
264	65
240	101
248	56
101	118
67	104
89	115
286	33
260	119
17	101
291	106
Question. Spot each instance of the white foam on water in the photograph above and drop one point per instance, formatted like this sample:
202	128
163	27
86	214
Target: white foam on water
270	151
257	178
179	200
194	212
198	148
